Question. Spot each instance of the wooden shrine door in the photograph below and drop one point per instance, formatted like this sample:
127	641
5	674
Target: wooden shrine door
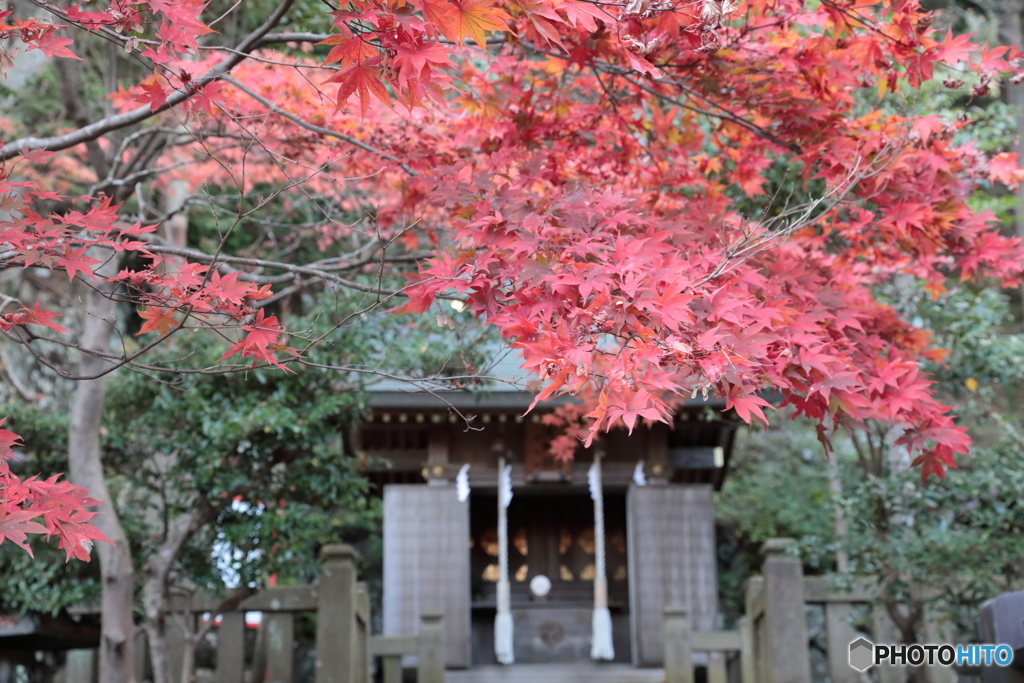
552	535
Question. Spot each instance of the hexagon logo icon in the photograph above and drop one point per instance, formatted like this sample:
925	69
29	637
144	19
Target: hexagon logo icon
862	654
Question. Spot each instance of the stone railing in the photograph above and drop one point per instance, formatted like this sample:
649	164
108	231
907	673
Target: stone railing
344	648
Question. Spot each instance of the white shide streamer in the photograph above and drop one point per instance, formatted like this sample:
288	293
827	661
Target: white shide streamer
639	478
503	619
462	483
601	646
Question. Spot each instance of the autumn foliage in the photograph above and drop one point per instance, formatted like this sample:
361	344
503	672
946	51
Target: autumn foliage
580	174
59	504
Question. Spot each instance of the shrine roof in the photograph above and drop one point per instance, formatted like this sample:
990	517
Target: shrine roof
505	386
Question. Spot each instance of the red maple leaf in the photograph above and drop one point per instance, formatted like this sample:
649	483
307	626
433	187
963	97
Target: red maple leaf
227	288
60	504
1005	168
152	93
15	525
36	316
75	261
52	46
8	440
748	407
348	50
260	343
360	79
157	318
639	404
955	49
465	19
412	58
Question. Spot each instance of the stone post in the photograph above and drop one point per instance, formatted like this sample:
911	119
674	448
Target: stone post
786	657
678	645
884	631
280	653
82	667
937	630
747	669
230	648
839	634
430	664
335	618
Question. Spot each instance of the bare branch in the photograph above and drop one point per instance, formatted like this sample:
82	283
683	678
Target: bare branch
119	121
317	129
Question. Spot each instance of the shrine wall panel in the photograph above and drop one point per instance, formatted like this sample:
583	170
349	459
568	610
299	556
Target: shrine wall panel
671	540
426	563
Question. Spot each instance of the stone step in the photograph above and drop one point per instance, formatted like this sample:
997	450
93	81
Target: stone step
585	672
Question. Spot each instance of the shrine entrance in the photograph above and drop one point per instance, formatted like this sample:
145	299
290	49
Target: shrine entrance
551	534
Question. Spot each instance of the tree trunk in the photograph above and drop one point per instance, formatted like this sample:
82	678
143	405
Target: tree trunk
117	636
909	625
154	596
839	525
188	659
156	636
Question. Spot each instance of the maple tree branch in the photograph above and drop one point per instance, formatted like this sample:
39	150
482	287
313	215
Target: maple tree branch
321	273
224	16
725	116
792	219
20	387
317	129
273	38
118	121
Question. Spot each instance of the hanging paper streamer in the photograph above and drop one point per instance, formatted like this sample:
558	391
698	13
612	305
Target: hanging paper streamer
503	619
601	637
639	478
505	486
462	483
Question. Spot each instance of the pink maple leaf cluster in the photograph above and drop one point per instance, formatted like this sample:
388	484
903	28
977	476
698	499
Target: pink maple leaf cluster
44	506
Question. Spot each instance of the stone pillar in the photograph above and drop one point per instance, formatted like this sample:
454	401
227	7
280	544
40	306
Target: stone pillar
937	630
335	616
175	645
717	672
231	648
786	657
884	631
280	651
678	645
81	667
430	662
747	669
839	634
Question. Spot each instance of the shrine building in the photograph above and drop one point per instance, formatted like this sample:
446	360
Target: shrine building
553	573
